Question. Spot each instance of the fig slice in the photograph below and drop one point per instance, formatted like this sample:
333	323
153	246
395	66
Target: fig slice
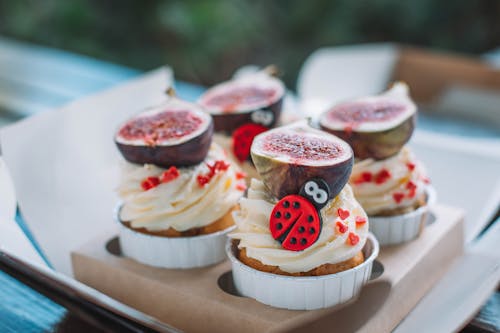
376	126
286	157
252	98
175	133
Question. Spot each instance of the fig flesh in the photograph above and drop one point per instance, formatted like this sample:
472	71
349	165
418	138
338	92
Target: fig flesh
253	98
175	133
287	157
375	127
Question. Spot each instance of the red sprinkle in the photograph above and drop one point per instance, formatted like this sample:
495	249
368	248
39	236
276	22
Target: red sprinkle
411	166
398	197
411	185
169	175
364	177
240	175
212	170
341	227
149	183
412	193
353	238
382	176
360	220
241	187
343	214
426	180
202	180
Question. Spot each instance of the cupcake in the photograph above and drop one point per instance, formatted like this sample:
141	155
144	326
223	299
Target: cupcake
242	108
177	188
387	179
300	232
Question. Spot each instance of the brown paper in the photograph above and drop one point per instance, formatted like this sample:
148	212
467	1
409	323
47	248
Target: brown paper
192	300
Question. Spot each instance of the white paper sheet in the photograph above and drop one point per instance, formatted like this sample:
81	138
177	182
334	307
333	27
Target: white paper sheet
7	194
334	74
464	171
65	165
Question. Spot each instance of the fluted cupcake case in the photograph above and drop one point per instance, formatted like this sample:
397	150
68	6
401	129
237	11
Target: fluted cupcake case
302	293
173	252
397	229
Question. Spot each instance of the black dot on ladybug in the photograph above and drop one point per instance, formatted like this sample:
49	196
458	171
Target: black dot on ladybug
310	218
279	226
293	240
312	230
303	241
288	215
277	215
286	204
296	204
301	229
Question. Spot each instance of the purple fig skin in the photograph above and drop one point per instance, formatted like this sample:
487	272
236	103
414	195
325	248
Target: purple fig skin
228	122
284	178
188	153
375	126
378	145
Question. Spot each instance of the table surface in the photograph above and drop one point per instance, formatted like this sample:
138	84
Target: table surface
34	79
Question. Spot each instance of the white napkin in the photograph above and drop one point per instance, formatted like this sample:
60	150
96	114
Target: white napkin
64	164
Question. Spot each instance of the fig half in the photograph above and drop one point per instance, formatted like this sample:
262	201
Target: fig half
253	98
176	133
287	157
375	127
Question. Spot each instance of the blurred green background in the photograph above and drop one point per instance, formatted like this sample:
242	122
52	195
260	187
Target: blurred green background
205	41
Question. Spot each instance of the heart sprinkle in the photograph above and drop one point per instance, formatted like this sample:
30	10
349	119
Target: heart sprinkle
343	214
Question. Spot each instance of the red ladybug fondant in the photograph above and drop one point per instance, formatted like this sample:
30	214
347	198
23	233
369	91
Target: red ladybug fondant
295	222
243	138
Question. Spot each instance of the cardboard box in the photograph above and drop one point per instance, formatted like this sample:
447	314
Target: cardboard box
203	300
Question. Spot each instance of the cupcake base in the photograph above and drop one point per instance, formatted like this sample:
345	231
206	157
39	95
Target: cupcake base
302	292
397	229
221	224
174	252
318	271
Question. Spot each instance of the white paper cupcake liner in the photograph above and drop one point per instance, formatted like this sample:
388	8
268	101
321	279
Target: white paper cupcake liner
173	252
391	230
305	292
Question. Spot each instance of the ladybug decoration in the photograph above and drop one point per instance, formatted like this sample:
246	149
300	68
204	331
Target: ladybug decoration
296	220
243	135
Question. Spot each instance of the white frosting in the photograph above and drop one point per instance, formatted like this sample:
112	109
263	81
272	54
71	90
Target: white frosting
332	247
182	203
380	197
